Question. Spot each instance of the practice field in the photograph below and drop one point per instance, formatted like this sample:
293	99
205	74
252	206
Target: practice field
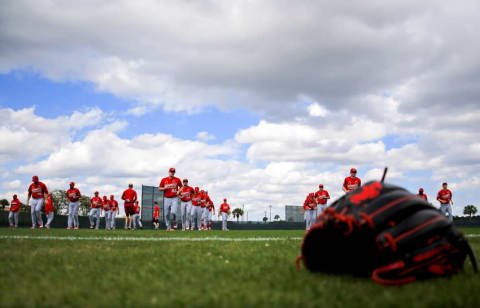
91	268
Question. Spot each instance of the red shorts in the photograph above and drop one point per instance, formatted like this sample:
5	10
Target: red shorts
129	210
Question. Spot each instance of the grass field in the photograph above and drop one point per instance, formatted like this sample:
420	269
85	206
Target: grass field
185	273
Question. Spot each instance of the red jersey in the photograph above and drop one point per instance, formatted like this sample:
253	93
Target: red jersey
73	195
444	196
37	191
424	196
319	196
186	193
196	199
171	186
113	205
105	205
224	207
156	212
129	196
210	205
309	204
15	205
48	206
351	183
203	200
137	208
96	202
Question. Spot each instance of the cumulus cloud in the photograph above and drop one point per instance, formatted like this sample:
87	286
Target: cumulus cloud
205	136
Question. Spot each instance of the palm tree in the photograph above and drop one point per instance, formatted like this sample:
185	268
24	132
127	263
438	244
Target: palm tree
4	203
237	213
265	219
277	217
470	210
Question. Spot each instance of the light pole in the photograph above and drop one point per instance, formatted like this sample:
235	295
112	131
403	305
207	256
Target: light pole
243	211
270	213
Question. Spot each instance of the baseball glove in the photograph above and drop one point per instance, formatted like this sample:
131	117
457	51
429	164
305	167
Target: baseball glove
385	232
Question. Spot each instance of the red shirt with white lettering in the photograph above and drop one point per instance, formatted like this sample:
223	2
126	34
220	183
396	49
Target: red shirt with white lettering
186	193
224	207
203	199
196	199
96	202
210	205
15	205
105	205
113	205
37	190
319	196
129	196
351	183
424	196
73	195
171	185
137	208
156	212
309	204
48	206
444	196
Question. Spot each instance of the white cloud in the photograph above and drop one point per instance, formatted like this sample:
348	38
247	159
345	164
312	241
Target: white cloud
316	110
205	136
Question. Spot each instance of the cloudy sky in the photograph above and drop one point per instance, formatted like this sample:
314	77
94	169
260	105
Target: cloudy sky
256	101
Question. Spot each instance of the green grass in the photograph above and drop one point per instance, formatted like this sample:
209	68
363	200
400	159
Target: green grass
92	273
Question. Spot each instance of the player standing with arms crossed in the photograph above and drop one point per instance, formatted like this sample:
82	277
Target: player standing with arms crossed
156	215
321	196
49	210
421	194
114	211
444	196
96	203
351	182
185	193
195	215
310	207
170	186
225	212
14	212
136	217
37	191
106	210
73	196
129	196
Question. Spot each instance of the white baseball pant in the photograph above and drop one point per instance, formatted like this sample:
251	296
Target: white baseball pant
49	218
224	221
112	219
170	206
36	211
72	211
136	220
310	214
196	215
447	209
108	217
184	207
94	213
13	218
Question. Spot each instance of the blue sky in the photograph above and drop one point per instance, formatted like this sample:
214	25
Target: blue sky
256	112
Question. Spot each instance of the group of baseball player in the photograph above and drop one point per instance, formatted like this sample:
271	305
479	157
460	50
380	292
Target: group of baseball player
316	202
196	207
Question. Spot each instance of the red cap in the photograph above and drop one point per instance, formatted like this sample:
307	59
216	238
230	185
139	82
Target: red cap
15	196
421	189
35	178
72	183
320	185
197	189
444	183
311	194
353	170
104	197
185	180
96	193
224	199
171	170
111	196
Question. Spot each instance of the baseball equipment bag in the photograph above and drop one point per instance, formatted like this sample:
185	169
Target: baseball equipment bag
383	231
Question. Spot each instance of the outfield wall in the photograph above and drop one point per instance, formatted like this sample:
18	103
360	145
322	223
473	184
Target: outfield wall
60	221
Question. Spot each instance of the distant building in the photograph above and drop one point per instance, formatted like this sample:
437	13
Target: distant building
294	213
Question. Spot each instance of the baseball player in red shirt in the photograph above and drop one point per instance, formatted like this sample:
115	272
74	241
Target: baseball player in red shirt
96	203
203	209
185	193
444	196
225	212
136	217
196	214
210	210
14	211
37	191
73	196
129	196
310	207
156	215
351	182
321	196
106	210
114	211
170	186
49	210
421	194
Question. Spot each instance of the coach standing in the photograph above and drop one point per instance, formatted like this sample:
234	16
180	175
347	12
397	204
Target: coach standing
37	191
444	196
170	186
73	196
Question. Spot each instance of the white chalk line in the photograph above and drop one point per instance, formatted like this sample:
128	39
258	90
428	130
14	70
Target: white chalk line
150	239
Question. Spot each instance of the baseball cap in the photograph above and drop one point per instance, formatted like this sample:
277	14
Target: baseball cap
35	178
353	170
171	170
185	180
421	189
15	196
72	183
320	185
311	194
130	185
96	193
444	183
